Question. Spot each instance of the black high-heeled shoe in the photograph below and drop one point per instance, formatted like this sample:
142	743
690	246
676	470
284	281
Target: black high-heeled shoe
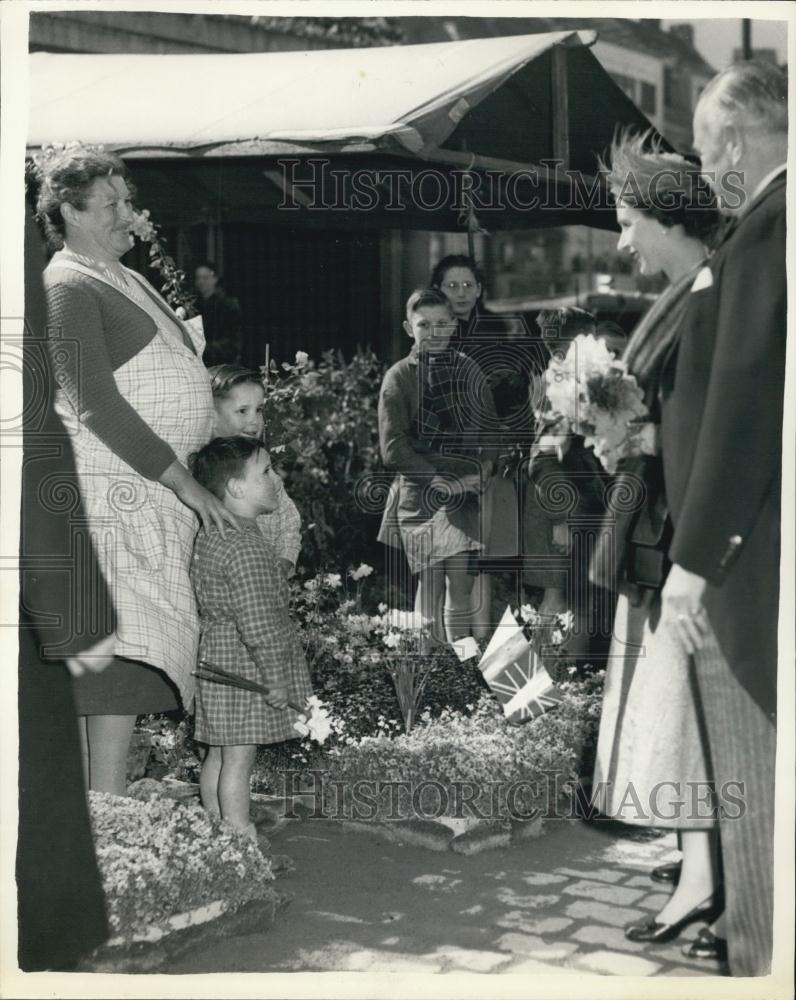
667	873
707	946
654	931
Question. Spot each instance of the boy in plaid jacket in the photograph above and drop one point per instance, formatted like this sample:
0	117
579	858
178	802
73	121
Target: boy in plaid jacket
245	628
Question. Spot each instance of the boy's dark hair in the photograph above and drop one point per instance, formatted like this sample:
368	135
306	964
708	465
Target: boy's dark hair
565	323
422	297
224	378
221	460
614	336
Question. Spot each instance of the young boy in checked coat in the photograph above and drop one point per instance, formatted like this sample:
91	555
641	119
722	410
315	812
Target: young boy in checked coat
245	628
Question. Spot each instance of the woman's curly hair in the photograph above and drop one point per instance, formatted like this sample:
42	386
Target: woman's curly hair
65	177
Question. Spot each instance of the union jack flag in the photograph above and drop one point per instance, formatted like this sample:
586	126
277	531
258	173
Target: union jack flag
514	671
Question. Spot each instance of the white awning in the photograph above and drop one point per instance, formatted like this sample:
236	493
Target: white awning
352	99
221	123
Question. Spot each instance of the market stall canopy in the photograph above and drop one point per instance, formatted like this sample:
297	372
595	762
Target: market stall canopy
485	105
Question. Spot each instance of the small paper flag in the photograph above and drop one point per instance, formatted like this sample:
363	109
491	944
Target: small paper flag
516	674
465	648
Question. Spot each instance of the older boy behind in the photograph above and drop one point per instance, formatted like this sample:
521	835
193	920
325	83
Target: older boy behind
435	414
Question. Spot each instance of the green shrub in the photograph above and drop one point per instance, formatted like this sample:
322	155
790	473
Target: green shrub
509	770
323	430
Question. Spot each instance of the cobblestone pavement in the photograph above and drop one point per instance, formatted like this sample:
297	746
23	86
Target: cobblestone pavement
556	904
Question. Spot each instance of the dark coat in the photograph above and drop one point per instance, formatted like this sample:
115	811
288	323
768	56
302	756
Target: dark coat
221	321
722	439
510	357
60	899
417	458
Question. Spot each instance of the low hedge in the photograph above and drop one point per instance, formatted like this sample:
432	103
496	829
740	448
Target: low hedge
455	764
159	858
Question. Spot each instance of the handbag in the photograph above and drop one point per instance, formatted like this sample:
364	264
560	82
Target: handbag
649	536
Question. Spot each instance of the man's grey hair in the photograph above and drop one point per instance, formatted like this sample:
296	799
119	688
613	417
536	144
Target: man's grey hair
750	95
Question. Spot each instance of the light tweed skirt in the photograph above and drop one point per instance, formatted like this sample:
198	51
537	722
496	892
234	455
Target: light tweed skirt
653	766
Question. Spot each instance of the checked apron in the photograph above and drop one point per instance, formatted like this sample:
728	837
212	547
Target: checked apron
143	534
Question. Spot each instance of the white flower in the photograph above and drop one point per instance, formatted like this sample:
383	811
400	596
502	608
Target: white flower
382	608
319	724
407	621
392	639
358	624
332	579
360	572
320	727
142	227
301	358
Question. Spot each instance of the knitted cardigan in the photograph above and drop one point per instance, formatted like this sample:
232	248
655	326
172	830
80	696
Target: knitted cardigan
92	331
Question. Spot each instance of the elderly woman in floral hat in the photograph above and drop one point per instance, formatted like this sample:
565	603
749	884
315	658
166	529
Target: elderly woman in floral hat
135	399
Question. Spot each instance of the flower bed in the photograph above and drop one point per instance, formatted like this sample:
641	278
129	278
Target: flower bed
468	766
167	867
461	764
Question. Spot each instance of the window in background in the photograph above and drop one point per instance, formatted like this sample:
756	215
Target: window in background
648	100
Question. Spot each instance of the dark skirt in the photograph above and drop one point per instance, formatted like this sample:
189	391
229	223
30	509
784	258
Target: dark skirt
126	687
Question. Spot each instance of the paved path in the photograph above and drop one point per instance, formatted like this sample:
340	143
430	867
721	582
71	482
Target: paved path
554	904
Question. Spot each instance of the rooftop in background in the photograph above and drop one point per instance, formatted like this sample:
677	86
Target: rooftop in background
120	31
639	35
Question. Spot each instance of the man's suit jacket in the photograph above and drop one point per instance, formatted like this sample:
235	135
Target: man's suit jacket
722	399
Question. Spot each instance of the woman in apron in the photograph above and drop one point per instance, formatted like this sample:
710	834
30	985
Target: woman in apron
135	399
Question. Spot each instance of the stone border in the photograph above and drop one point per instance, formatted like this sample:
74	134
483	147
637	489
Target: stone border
205	924
463	835
436	835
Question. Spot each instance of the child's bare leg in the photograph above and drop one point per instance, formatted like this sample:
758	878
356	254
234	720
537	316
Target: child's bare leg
428	599
234	784
457	611
208	780
481	605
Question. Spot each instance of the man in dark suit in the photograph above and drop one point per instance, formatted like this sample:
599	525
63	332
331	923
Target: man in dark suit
722	442
66	623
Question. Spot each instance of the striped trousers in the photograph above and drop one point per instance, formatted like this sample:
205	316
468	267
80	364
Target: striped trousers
742	741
